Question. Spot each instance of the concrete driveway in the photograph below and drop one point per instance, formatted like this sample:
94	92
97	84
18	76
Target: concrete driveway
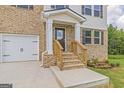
27	74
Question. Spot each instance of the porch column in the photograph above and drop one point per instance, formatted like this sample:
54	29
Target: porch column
77	32
49	37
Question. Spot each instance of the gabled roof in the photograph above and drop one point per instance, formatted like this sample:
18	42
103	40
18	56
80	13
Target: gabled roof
68	11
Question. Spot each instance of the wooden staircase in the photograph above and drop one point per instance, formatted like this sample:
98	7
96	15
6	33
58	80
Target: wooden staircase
71	61
76	58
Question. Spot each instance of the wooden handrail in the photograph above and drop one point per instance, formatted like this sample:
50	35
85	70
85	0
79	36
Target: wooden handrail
58	51
80	50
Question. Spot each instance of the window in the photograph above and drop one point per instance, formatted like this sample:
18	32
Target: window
96	37
87	37
93	37
30	7
98	10
23	6
87	10
59	6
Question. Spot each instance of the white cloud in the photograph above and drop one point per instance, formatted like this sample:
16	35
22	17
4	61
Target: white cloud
120	22
115	16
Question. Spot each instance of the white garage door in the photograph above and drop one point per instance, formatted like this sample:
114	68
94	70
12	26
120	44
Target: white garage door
20	48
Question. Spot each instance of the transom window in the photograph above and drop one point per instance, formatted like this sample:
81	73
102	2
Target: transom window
98	10
87	10
92	37
59	6
29	7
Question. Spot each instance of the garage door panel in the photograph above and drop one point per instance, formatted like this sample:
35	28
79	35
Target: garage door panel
20	48
30	49
10	46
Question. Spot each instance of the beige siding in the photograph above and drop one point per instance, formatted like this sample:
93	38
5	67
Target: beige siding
92	22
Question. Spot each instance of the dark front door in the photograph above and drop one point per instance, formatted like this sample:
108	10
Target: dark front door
60	36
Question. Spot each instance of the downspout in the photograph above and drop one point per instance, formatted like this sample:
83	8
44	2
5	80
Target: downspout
42	61
1	48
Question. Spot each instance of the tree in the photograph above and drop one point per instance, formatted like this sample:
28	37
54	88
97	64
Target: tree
115	40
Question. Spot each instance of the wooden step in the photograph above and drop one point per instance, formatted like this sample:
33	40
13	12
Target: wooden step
70	57
74	66
74	61
68	54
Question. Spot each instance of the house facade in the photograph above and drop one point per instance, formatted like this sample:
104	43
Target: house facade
86	24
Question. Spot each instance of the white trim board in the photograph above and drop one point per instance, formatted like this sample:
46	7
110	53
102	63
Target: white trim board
18	34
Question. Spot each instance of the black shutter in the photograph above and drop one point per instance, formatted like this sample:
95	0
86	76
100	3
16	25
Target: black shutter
101	11
82	9
102	38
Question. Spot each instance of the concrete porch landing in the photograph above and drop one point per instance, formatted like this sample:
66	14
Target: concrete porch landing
80	78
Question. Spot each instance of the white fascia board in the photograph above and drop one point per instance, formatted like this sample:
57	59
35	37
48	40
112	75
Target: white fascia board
66	11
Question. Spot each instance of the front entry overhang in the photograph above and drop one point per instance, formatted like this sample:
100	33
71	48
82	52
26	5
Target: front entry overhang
64	15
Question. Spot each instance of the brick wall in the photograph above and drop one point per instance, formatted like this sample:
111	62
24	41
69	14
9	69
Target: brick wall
96	51
22	21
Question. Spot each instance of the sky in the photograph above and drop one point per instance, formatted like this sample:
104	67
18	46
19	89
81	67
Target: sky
115	15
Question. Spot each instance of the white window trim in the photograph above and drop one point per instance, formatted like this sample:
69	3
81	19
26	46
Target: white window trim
88	8
89	36
97	37
93	37
92	11
97	10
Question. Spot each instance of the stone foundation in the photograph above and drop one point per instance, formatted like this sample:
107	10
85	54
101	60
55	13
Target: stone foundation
48	60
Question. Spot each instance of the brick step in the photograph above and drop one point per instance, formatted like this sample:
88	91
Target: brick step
73	66
71	62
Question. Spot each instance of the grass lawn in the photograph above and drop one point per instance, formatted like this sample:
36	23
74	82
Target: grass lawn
116	74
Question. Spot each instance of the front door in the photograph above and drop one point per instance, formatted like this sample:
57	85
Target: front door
60	36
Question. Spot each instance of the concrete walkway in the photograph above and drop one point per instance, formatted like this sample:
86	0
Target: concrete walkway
80	78
27	75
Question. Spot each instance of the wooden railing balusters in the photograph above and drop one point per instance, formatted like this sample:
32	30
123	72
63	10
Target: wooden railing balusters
80	50
58	51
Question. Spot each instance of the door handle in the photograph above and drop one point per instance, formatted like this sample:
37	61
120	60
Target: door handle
34	54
